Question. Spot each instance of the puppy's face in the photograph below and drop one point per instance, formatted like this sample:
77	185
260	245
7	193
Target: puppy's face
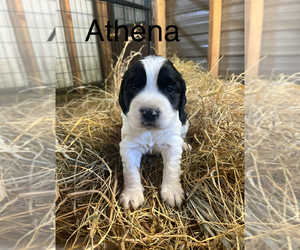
152	94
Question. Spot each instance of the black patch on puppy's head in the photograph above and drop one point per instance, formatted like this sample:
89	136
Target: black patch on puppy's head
171	84
134	80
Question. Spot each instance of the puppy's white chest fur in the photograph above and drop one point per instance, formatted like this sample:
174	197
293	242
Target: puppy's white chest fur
151	142
155	140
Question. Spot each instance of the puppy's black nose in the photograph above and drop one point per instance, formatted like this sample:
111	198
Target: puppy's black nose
149	114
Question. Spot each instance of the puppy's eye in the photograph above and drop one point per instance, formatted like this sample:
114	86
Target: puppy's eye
133	88
169	90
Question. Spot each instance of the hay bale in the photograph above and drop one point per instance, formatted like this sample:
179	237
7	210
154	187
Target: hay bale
27	179
89	172
272	160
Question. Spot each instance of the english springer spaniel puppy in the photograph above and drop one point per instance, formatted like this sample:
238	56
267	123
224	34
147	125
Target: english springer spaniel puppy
152	98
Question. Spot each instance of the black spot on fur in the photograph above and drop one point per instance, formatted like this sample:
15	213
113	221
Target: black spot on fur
134	80
170	79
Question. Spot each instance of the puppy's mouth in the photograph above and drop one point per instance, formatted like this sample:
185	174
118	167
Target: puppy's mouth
148	125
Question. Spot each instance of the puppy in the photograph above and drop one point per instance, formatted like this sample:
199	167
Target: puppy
152	98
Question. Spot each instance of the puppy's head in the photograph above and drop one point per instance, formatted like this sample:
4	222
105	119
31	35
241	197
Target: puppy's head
152	94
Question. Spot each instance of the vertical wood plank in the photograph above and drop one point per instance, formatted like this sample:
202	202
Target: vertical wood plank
24	44
70	40
214	36
104	47
254	10
159	16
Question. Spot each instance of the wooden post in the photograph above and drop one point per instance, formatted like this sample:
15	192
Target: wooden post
159	18
70	40
214	36
104	47
18	20
253	35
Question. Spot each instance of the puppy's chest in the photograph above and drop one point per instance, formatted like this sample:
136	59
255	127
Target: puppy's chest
152	143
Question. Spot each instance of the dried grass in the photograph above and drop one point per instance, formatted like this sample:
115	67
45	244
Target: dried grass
89	172
27	181
272	160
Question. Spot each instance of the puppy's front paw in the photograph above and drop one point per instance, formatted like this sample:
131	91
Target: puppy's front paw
172	194
132	197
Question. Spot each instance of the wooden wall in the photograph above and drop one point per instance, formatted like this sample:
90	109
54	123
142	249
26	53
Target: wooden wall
280	38
275	34
191	18
232	38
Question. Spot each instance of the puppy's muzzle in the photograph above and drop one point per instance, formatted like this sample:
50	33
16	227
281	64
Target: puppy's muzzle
149	116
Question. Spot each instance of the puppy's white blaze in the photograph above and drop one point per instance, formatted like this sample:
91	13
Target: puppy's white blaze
152	65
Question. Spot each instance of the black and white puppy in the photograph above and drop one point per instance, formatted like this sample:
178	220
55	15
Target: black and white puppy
152	97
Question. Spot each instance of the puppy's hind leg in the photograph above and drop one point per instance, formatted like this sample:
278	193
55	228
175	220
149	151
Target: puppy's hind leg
186	146
184	129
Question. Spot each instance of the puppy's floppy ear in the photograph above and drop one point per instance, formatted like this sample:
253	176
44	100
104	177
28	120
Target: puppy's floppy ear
121	98
181	104
135	75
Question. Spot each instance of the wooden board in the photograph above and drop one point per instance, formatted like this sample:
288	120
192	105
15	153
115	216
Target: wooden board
253	35
214	36
70	40
24	44
159	18
104	47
